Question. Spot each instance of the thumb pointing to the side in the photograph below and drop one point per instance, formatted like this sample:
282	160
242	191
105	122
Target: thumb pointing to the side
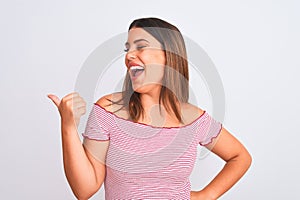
54	98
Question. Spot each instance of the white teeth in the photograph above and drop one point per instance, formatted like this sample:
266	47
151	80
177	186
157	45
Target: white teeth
136	67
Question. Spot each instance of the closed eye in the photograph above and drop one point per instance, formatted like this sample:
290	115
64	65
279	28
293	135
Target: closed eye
140	44
140	47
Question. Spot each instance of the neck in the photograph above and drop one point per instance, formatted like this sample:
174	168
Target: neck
150	102
150	99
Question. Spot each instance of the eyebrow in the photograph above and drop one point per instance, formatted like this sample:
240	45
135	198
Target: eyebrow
136	41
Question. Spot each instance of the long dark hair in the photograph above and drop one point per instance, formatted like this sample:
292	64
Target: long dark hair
175	83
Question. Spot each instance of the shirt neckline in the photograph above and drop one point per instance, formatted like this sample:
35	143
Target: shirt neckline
151	126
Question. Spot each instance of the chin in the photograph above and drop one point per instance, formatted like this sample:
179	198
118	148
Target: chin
139	89
145	88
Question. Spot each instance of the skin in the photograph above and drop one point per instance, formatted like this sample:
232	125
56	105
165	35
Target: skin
86	174
147	53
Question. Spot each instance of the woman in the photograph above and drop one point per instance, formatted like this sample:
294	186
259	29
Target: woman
142	142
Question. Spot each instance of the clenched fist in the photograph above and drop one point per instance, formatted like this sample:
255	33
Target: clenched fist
71	108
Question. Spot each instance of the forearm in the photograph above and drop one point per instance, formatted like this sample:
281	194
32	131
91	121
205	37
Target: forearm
233	170
78	169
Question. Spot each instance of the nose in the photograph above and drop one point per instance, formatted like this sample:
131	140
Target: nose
131	55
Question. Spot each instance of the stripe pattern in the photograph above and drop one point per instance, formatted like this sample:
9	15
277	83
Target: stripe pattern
147	162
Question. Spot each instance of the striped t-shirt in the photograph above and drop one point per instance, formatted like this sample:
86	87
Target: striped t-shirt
144	161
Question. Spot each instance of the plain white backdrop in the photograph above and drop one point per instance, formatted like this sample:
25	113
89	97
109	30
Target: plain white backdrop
253	44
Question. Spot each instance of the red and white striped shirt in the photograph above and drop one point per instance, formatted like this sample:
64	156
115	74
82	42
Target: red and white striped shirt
144	161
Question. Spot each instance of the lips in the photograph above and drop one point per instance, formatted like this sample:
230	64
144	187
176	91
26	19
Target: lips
135	70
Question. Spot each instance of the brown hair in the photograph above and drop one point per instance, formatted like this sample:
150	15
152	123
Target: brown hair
175	83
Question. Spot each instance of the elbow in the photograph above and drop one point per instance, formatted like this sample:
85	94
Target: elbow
245	159
248	160
81	197
85	193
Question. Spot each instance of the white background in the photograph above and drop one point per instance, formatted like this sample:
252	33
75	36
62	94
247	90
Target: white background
253	44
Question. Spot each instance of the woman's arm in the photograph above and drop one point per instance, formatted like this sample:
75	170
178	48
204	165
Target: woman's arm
237	159
84	173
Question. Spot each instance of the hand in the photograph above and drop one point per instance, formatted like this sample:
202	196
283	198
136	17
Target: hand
199	195
194	195
71	108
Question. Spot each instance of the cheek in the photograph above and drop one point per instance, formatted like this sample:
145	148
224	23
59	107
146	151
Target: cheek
155	62
160	59
154	73
153	57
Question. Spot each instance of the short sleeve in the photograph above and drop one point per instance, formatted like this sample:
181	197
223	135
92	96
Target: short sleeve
98	126
208	130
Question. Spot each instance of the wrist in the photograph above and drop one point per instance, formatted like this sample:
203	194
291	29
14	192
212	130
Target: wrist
68	125
71	121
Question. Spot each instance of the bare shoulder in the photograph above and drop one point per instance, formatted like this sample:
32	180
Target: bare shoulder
191	107
191	112
105	101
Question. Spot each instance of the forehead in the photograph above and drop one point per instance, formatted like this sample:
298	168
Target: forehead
139	33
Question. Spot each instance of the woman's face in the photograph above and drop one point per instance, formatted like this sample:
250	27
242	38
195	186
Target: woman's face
145	60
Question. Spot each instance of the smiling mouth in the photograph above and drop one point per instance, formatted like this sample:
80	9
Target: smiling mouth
135	71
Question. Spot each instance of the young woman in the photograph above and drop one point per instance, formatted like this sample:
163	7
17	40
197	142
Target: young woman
142	141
